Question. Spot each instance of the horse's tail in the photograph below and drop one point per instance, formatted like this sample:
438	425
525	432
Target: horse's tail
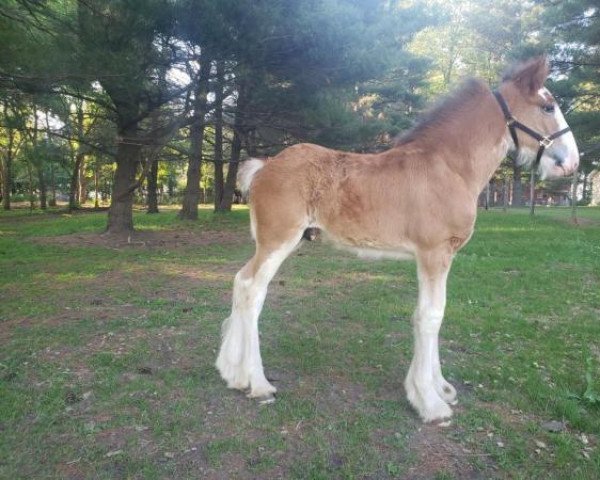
246	173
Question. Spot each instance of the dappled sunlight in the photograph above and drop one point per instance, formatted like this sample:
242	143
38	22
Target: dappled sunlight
348	276
369	276
504	228
196	273
72	277
135	329
152	238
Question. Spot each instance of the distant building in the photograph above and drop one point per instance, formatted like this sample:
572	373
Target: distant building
553	193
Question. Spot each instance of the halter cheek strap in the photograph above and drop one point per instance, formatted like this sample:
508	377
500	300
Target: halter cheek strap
512	123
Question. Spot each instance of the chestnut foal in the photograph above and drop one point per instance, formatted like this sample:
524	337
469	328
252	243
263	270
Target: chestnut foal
416	200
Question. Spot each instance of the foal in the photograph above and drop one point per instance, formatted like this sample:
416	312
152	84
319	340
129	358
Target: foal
431	177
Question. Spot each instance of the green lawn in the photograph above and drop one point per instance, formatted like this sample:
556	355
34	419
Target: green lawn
107	350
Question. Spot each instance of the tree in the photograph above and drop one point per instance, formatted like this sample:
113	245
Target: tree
296	70
11	141
130	42
191	196
219	90
577	24
481	38
287	71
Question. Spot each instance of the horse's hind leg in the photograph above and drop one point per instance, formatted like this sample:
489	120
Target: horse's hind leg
239	360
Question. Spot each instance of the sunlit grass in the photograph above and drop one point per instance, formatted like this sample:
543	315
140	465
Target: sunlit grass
109	349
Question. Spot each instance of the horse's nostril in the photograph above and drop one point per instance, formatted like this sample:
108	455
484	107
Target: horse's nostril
559	160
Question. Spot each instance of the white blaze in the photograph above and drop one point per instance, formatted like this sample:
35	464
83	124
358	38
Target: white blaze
564	146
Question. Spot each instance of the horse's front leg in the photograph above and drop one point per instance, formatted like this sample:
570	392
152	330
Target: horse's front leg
426	388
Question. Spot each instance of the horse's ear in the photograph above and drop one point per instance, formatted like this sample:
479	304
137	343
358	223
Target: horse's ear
530	75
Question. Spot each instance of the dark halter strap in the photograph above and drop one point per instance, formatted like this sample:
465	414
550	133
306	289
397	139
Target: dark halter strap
512	123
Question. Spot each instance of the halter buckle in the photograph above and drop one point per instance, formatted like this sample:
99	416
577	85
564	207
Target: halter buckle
546	142
510	121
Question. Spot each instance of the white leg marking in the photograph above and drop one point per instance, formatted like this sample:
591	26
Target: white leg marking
239	360
233	345
426	388
444	388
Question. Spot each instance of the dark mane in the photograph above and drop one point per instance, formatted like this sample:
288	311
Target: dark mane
446	109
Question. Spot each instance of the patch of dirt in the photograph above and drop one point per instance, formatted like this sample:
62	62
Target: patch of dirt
92	299
95	312
582	222
116	438
437	454
147	239
194	463
71	470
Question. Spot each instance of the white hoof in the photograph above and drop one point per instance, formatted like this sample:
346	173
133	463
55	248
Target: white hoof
427	402
266	400
436	412
262	390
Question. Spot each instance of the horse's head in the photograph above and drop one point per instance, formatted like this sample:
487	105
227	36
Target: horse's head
536	122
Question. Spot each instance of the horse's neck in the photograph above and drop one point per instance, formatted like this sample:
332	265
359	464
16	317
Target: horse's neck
479	143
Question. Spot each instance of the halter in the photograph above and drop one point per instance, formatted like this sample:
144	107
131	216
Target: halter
512	123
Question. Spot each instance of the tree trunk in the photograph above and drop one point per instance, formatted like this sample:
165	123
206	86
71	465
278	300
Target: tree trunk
52	201
42	187
574	198
120	213
218	156
487	196
517	187
229	187
505	194
191	196
74	186
38	162
153	187
81	184
1	178
31	189
532	193
239	128
96	181
7	172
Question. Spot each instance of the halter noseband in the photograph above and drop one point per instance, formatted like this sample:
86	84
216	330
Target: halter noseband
512	123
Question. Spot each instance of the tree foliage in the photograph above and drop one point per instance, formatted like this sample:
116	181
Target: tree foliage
101	96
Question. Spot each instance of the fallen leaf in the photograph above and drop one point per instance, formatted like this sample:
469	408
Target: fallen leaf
585	454
113	453
554	426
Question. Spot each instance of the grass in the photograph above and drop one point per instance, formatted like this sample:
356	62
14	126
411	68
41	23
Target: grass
107	351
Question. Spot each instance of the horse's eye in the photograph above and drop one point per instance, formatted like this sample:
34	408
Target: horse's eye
548	108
